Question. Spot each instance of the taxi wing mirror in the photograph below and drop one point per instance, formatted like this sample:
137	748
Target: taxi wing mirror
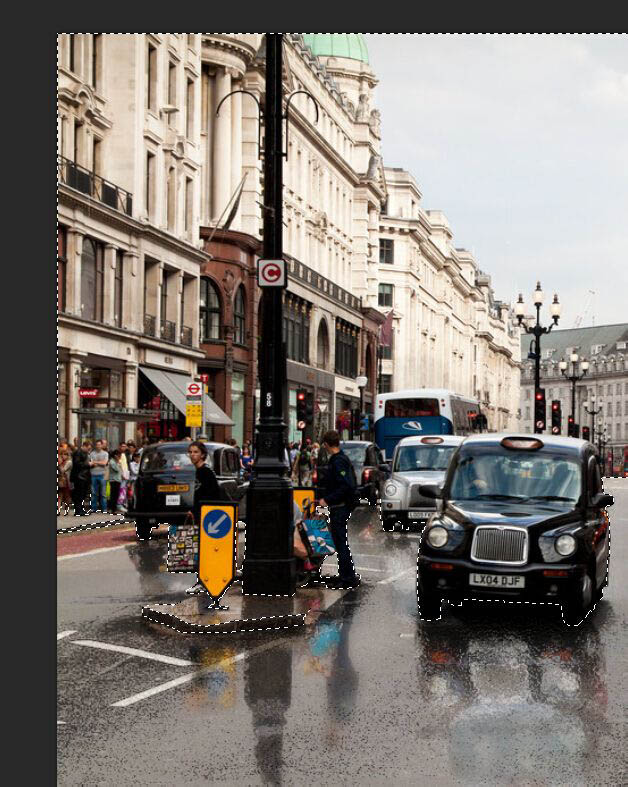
433	491
603	499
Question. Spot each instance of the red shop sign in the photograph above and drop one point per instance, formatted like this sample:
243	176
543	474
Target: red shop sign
88	392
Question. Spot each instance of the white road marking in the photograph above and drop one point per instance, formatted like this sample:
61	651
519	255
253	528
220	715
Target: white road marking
395	577
63	634
143	654
406	636
60	722
360	568
91	552
171	684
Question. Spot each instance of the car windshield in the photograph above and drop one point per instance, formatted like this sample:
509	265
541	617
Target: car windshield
168	458
502	475
423	457
355	453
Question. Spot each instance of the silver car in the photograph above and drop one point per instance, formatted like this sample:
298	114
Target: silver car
417	460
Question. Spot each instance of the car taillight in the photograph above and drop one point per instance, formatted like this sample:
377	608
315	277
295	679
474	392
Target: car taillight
315	476
366	475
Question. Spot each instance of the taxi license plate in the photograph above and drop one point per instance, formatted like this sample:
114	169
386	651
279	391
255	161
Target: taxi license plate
173	500
419	514
173	488
497	580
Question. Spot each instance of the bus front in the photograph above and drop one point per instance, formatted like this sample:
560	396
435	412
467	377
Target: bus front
404	415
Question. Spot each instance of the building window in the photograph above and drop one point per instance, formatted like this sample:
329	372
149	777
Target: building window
239	317
209	311
117	290
170	198
386	251
96	60
149	195
189	203
71	51
385	383
347	336
78	142
527	413
97	156
172	87
189	109
92	280
151	78
385	295
296	329
62	266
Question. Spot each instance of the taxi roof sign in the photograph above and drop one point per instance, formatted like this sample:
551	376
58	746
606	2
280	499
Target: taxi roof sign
522	443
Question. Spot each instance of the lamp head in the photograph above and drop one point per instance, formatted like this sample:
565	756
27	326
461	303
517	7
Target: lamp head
538	294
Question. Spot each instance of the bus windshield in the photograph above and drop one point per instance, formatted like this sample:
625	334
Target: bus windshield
411	408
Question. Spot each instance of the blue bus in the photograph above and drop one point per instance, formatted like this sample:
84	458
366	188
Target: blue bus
423	411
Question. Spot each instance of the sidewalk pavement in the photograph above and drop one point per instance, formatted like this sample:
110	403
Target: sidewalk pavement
78	522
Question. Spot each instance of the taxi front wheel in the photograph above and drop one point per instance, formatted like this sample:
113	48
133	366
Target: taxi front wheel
575	610
429	605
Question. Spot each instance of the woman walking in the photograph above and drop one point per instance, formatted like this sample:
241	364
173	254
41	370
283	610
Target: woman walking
115	480
64	466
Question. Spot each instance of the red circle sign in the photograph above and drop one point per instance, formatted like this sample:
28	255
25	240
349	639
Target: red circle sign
194	388
271	272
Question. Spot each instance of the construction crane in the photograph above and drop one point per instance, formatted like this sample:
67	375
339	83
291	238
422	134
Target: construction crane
588	307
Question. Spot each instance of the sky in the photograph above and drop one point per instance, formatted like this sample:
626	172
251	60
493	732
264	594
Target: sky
522	141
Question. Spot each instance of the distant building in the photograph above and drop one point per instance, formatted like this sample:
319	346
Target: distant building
605	347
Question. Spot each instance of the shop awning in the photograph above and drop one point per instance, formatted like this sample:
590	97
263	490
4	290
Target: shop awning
172	386
116	413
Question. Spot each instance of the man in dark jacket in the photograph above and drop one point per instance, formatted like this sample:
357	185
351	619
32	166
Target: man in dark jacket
80	477
339	495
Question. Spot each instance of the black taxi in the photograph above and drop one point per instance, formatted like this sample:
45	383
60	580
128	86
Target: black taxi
164	489
521	518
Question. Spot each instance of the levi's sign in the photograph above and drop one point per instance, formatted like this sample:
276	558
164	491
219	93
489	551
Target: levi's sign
271	273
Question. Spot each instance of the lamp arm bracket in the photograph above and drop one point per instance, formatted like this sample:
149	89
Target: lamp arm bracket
287	112
259	115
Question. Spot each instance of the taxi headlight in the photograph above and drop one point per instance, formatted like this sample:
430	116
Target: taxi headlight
565	545
437	536
391	489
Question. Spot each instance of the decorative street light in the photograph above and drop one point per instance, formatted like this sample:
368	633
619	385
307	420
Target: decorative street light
593	412
573	378
537	330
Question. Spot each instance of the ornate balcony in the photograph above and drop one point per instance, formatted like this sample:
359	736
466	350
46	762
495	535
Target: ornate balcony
84	180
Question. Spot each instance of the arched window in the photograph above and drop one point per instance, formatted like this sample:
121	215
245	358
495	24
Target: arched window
92	277
209	311
322	346
239	317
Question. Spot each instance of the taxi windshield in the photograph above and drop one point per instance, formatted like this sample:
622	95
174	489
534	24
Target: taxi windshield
500	474
423	457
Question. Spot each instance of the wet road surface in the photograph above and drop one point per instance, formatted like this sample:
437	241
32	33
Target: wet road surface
491	694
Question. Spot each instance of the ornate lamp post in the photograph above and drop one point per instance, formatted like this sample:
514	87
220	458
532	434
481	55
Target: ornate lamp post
592	411
574	377
537	330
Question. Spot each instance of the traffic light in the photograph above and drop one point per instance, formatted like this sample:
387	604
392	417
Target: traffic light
301	405
365	423
539	410
570	427
576	430
586	433
309	407
557	416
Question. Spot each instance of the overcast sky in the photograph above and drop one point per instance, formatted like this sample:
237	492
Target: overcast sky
522	141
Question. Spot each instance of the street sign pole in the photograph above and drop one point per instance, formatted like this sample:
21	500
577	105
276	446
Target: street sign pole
269	565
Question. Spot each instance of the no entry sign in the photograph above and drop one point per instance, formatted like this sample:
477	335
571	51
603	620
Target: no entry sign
271	273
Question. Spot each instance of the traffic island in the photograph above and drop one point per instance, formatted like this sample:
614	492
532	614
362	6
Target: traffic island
245	613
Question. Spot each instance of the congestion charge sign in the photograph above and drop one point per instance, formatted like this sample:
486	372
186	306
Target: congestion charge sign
271	273
217	546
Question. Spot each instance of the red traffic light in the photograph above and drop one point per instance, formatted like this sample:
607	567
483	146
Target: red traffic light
539	396
300	396
554	405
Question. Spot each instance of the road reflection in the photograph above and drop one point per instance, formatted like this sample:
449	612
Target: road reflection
520	698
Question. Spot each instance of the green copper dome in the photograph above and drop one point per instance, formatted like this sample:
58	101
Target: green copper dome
350	45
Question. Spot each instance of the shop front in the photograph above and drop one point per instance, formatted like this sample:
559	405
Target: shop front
321	385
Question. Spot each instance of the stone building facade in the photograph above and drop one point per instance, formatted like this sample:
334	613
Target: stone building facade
605	347
449	331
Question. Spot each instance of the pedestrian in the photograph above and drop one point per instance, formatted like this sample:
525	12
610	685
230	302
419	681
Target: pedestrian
64	467
115	480
125	458
246	460
339	496
206	488
79	477
304	464
98	461
293	453
134	469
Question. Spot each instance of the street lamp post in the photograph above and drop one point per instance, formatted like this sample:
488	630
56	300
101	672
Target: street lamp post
573	378
537	330
593	411
361	382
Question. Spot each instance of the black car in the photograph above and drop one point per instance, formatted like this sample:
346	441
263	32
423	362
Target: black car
521	519
164	489
369	463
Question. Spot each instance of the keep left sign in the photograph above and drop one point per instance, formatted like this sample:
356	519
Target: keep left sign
217	547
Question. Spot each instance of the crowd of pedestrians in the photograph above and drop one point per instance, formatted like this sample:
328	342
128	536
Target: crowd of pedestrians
93	478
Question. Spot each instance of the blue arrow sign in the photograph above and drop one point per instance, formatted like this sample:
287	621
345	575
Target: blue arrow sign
217	524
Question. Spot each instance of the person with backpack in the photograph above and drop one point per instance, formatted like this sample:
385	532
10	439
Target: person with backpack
340	495
304	464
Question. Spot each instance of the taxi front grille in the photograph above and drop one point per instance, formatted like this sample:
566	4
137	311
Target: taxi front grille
508	545
418	501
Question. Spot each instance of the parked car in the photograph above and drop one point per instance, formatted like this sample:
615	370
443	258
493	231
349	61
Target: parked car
522	518
164	490
416	461
368	462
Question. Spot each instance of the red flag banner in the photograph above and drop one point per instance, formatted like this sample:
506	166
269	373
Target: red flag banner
385	331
